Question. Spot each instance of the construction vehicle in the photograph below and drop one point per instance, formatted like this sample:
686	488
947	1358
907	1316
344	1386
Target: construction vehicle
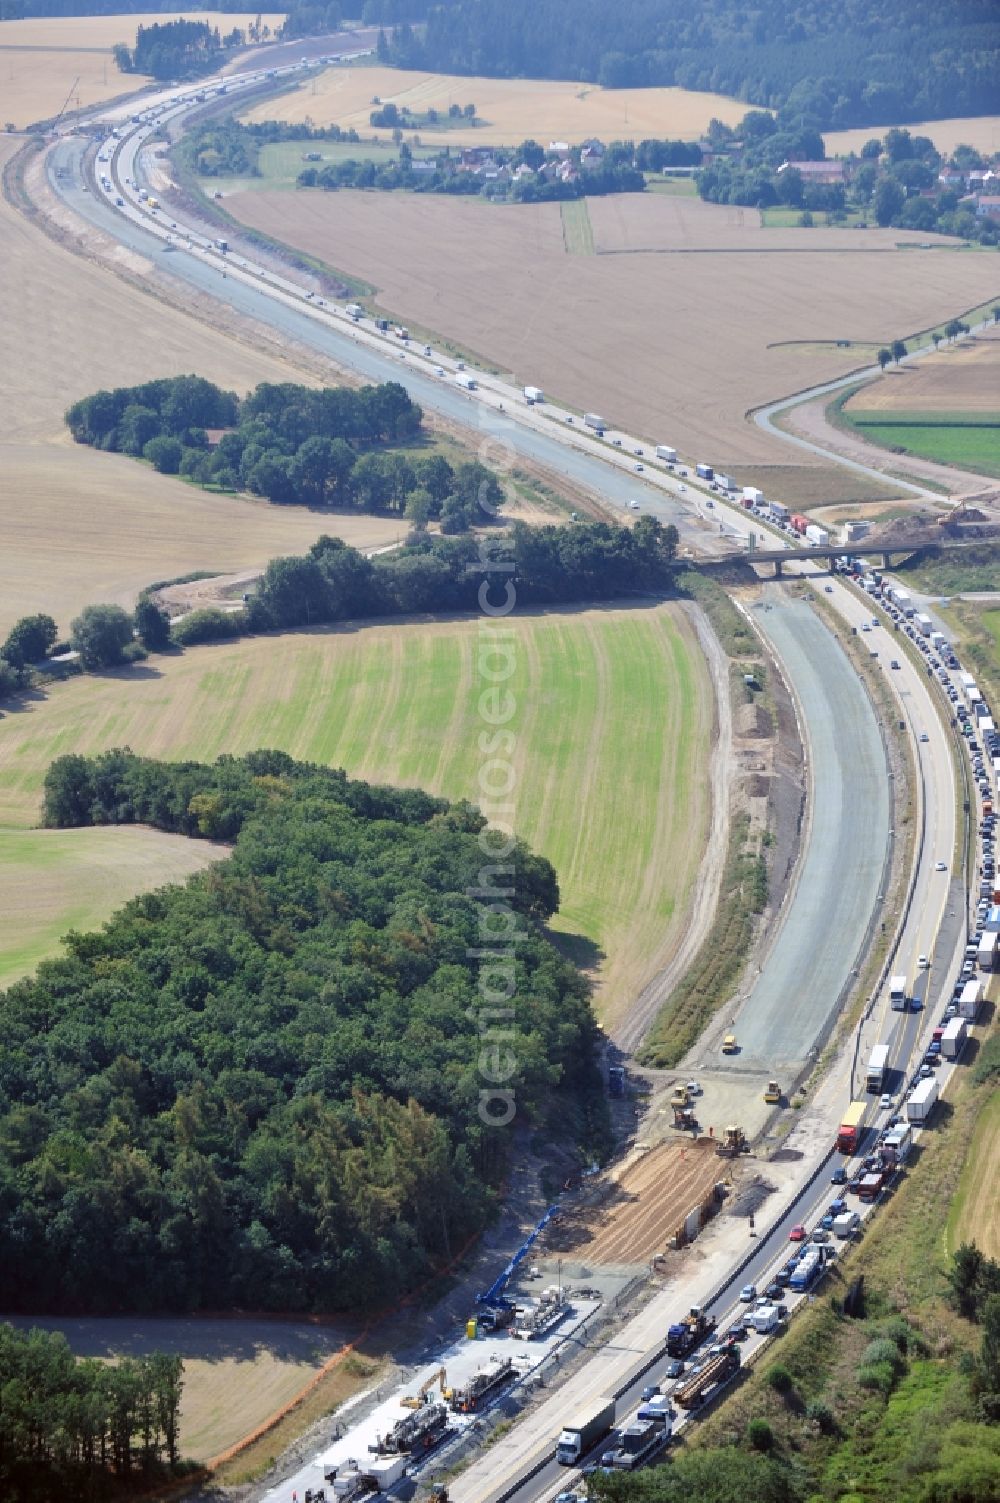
733	1143
415	1400
415	1432
683	1117
729	1044
498	1310
483	1386
689	1332
704	1385
552	1307
349	1483
772	1093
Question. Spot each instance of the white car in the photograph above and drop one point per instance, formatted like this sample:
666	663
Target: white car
939	866
886	1103
439	370
922	962
634	505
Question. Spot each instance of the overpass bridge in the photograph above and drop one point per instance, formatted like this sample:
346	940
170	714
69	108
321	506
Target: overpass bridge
884	551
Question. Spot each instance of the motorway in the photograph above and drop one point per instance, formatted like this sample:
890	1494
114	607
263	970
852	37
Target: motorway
837	891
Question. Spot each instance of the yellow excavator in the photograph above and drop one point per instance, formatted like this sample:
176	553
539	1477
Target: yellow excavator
416	1400
733	1143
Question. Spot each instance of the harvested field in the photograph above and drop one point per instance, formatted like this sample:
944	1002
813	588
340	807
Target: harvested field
819	486
45	62
676	346
959	378
980	131
52	881
80	526
237	1373
512	109
631	1213
613	700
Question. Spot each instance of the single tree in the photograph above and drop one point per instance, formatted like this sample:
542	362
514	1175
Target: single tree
936	338
996	313
898	350
100	634
152	624
883	357
29	640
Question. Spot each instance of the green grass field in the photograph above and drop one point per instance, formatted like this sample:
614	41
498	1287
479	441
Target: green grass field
578	232
613	724
281	162
55	880
969	441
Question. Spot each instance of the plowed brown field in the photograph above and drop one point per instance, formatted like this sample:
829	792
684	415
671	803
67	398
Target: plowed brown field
673	346
79	526
962	377
642	1206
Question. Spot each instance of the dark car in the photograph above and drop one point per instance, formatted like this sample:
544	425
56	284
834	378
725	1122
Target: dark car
773	1290
839	1176
674	1368
650	1391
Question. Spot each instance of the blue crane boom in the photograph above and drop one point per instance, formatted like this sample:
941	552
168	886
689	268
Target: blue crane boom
494	1297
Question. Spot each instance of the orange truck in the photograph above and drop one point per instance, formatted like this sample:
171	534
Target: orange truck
849	1133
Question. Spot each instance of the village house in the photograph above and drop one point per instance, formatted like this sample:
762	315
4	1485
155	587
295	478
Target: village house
988	206
824	174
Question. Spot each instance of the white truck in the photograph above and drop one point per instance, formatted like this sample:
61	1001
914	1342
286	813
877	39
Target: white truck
465	381
901	598
765	1319
986	954
818	536
595	421
897	994
966	681
583	1433
939	640
725	483
533	395
355	311
878	1063
846	1224
920	1103
666	453
954	1036
753	496
899	1140
968	1002
922	623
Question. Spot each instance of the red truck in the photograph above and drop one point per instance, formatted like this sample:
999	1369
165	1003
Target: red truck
849	1132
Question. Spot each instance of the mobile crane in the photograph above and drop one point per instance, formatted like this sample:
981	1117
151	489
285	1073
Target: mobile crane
498	1311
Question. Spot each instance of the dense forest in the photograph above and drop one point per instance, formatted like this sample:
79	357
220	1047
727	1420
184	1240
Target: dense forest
265	1088
844	62
78	1428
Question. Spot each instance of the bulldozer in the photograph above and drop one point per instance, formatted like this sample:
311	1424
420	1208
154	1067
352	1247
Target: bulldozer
733	1143
418	1399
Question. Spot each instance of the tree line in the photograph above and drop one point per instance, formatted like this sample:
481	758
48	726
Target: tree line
334	582
888	62
77	1427
262	1088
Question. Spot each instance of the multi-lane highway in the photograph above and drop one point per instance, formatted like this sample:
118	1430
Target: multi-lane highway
808	968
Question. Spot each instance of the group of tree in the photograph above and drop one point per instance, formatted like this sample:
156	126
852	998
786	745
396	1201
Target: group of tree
974	1286
291	444
888	62
895	182
401	117
263	1088
81	1428
177	49
616	174
229	148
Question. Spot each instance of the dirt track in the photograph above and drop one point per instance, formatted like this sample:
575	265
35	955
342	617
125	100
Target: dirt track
631	1213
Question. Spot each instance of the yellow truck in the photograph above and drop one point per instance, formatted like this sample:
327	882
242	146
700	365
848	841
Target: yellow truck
729	1044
